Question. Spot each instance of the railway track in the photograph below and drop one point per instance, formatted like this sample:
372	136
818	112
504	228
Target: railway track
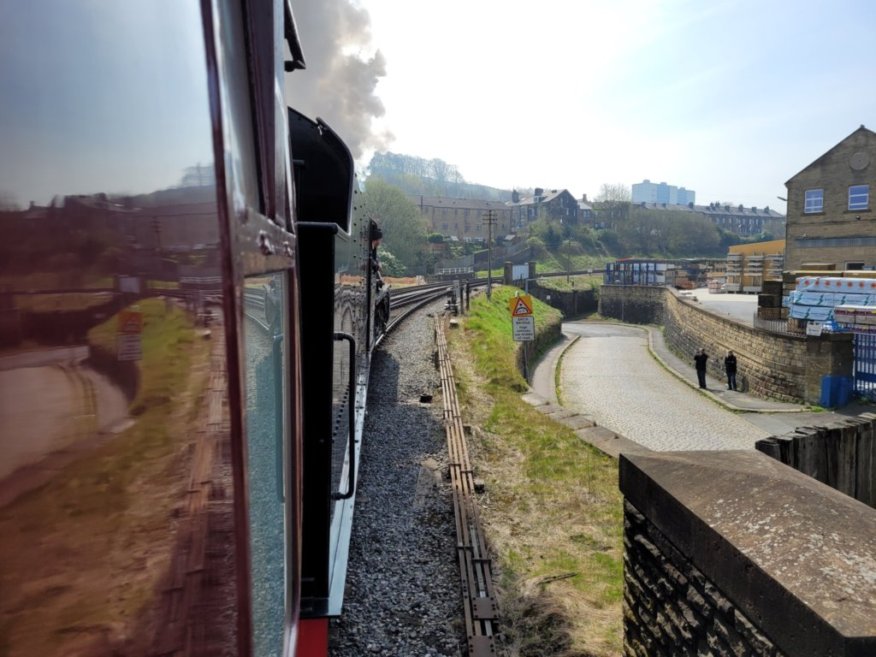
204	519
474	562
409	300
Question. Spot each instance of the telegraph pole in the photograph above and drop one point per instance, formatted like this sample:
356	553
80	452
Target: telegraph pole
489	220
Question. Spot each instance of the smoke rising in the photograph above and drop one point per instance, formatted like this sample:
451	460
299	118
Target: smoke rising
339	82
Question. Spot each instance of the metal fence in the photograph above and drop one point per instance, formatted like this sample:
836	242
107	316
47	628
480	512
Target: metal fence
864	345
779	326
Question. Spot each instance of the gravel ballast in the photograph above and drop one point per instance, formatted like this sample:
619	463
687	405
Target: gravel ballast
403	592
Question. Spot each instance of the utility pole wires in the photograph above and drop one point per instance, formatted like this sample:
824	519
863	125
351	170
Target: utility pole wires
489	219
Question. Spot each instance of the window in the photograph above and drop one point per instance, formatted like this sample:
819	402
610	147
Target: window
859	197
267	455
814	201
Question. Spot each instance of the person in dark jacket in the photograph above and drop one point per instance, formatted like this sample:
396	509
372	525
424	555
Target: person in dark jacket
700	363
730	368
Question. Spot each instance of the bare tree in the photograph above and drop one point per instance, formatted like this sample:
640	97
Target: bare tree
614	193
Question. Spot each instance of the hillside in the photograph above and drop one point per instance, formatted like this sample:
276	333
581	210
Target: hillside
619	230
416	176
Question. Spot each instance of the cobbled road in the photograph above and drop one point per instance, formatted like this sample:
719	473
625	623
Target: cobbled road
610	375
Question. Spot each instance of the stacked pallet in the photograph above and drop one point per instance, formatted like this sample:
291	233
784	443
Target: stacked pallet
769	301
816	297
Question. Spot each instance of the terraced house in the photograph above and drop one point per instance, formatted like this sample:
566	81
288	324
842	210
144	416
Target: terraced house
466	219
831	224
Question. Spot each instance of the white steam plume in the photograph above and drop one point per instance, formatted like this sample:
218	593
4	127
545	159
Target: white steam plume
339	82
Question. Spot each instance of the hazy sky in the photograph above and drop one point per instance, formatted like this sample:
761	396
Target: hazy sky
729	98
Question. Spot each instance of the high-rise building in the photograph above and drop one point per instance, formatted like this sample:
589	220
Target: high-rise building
648	192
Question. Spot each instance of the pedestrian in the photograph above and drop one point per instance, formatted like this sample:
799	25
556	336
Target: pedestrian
730	368
700	363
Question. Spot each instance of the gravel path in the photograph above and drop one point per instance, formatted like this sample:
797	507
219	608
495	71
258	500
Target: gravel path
402	597
609	374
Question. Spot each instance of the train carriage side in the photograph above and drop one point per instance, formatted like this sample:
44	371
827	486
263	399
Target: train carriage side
150	391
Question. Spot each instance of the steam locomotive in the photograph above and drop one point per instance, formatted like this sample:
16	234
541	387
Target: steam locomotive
188	310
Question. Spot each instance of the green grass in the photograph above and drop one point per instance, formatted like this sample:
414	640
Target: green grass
106	510
554	510
569	283
554	263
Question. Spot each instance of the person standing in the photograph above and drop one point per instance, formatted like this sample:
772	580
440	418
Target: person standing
700	363
730	368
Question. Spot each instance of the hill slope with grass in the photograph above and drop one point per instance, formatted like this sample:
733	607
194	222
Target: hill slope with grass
553	511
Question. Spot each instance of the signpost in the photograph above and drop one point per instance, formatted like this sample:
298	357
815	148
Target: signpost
522	322
524	328
128	332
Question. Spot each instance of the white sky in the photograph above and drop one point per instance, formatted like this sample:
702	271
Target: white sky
729	98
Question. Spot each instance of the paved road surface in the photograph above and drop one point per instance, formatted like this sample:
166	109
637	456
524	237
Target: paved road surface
49	400
739	307
626	379
610	374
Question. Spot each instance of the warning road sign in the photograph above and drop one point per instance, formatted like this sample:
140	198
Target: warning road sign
524	328
130	322
521	306
129	346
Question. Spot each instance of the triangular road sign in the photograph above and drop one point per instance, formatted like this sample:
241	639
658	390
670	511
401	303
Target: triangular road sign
520	307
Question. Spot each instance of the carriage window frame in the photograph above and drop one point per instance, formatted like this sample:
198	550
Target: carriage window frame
267	378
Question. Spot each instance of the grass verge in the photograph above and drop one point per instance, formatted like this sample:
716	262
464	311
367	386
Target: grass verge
553	511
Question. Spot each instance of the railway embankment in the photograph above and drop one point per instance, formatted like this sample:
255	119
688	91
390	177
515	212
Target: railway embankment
551	507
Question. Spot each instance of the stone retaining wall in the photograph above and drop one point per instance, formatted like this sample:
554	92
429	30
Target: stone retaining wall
734	554
672	609
572	303
637	304
784	367
528	353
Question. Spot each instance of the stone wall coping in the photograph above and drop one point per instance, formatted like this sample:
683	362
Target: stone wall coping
798	557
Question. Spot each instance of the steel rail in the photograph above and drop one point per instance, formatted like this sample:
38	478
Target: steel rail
410	306
475	565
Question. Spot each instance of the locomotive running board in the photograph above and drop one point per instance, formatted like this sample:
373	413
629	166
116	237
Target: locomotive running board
342	517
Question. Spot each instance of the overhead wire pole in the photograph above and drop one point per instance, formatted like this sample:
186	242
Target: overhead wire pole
489	220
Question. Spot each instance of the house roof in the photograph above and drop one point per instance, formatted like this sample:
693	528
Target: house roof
546	197
714	209
820	160
457	203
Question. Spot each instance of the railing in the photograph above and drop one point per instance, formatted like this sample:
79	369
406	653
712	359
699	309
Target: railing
779	326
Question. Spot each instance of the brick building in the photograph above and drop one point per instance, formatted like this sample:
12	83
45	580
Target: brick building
465	219
736	219
831	223
556	204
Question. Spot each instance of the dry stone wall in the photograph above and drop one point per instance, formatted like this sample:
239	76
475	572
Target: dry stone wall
572	303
